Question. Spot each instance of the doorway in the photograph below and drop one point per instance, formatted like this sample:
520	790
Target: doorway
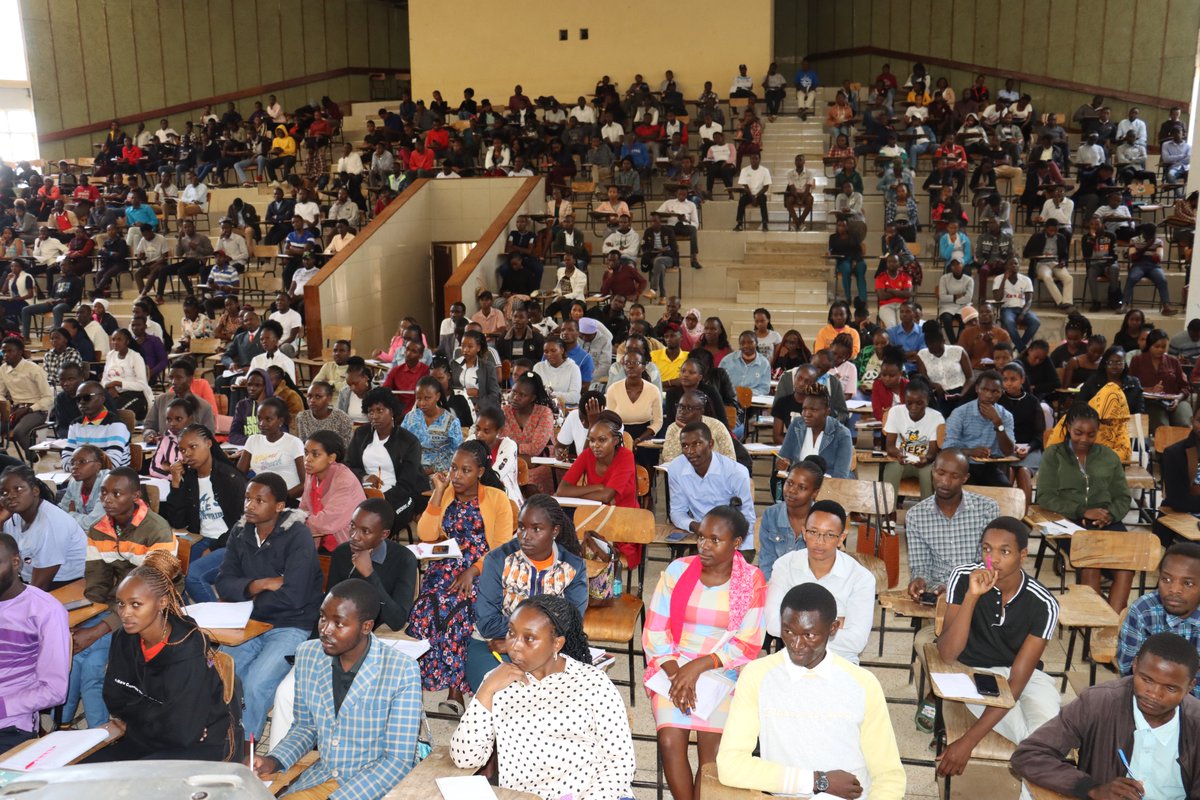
446	258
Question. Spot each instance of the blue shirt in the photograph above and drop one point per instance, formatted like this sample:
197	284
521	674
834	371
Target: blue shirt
756	375
692	496
300	239
912	342
583	360
967	428
806	79
776	538
1155	757
137	216
1146	617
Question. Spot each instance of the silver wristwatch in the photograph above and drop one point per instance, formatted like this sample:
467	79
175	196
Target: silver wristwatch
820	782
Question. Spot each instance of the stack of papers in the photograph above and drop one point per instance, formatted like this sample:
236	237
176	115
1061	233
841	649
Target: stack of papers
55	750
220	615
755	448
858	405
956	685
575	502
412	648
436	550
50	444
600	658
762	400
1060	528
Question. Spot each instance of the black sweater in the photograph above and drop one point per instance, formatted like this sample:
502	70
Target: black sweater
1177	477
175	700
288	552
181	508
395	580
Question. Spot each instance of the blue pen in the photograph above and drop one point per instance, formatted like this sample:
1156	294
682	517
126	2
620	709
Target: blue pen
1125	761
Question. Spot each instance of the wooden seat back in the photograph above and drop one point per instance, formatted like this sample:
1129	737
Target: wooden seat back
1010	499
860	497
633	525
1139	551
1167	435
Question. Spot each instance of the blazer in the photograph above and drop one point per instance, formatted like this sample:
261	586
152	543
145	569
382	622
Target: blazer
411	480
494	506
1037	245
370	743
181	507
489	386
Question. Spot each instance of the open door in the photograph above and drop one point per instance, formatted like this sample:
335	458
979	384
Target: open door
446	258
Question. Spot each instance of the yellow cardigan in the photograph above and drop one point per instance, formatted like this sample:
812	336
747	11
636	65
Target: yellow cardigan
494	505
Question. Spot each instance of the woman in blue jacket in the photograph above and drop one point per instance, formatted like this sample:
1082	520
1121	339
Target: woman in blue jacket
831	438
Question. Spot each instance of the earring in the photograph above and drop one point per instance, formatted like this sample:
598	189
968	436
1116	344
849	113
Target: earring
556	655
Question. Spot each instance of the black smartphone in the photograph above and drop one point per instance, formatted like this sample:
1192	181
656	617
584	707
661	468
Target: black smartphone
80	603
928	599
677	536
986	684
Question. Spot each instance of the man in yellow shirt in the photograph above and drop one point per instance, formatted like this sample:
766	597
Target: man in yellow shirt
671	357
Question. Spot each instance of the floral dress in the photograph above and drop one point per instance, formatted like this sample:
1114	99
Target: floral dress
438	440
440	615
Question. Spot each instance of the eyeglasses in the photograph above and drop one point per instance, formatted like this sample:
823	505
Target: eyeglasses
1115	362
690	407
821	537
79	462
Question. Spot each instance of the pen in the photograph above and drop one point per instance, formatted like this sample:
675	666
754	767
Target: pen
496	655
1125	761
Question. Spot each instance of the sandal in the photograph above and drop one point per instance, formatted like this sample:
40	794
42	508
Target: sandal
925	716
456	708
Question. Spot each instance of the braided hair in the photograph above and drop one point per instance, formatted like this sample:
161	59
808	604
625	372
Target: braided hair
565	619
214	447
482	456
567	538
534	381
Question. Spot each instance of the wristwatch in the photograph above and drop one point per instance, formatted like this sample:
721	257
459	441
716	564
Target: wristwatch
999	429
820	782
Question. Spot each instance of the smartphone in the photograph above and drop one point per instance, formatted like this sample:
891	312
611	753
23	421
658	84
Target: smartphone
878	453
677	536
80	603
441	549
986	684
928	599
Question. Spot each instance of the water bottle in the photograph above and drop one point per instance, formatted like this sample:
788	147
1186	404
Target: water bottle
617	587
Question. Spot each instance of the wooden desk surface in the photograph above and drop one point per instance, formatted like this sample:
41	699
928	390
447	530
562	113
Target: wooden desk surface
74	591
421	783
934	663
1081	607
1038	793
898	601
235	636
711	787
1181	523
1036	515
662	530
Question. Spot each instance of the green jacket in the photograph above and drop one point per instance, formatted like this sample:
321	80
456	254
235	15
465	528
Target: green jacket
1062	488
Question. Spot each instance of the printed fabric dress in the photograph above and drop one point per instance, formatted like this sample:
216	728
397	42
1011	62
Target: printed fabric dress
703	620
438	440
439	614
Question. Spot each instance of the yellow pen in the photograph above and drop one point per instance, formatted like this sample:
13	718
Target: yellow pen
496	655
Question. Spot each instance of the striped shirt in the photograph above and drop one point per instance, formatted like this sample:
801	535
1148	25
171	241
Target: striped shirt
106	432
1147	617
999	629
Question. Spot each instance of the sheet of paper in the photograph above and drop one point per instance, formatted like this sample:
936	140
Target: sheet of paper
55	750
711	690
1060	527
220	615
467	787
858	405
601	658
424	550
574	502
955	684
760	447
762	400
50	444
55	477
410	648
549	461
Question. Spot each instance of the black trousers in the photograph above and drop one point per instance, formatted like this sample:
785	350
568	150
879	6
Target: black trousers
760	200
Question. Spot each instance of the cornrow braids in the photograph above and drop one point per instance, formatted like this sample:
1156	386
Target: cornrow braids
567	538
565	619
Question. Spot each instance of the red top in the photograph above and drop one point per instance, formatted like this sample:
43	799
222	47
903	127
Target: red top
882	398
149	653
884	281
1169	373
621	475
438	139
420	160
402	379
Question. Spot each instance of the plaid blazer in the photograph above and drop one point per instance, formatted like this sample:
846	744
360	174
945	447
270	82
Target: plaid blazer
372	742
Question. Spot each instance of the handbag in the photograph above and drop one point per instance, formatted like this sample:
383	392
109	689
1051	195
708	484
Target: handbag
601	559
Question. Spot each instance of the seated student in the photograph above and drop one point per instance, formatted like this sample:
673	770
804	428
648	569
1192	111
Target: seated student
748	367
1132	737
118	542
543	558
816	431
273	451
321	415
912	432
489	429
285	389
691	407
468	507
334	372
388	458
369	744
606	472
809	687
245	413
1085	482
702	480
125	376
98	427
437	429
593	757
37	655
782	529
822	561
53	545
81	497
1171	608
706	614
331	490
182	377
388	566
998	620
165	693
270	333
269	558
983	428
180	414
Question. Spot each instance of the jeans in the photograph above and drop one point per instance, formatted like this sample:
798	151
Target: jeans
948	321
919	148
1008	320
775	100
683	230
859	269
658	270
202	571
261	665
240	168
36	310
87	680
1139	270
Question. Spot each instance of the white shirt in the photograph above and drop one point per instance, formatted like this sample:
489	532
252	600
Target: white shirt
574	287
163	133
275	112
1014	293
1089	155
377	461
741	82
264	361
310	212
197	194
212	519
691	215
1155	757
1138	126
612	132
755	179
914	437
339	242
572	432
800	178
1061	212
444	176
302	276
278	457
850	583
564	380
351	164
235	247
708	131
290	321
584	116
627	243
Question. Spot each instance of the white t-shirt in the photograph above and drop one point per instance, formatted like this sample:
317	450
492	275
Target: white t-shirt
766	345
278	457
913	437
354	409
378	461
573	432
289	321
301	277
54	538
212	519
1014	293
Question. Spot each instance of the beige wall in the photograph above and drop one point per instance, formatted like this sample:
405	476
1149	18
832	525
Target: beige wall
491	50
389	275
1146	47
93	60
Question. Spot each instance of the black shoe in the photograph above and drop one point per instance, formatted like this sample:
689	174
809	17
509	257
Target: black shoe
696	264
737	227
764	226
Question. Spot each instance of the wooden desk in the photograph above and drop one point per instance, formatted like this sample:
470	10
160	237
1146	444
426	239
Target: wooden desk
1038	793
898	601
934	663
421	783
1181	523
231	637
663	530
711	787
18	748
1081	609
74	591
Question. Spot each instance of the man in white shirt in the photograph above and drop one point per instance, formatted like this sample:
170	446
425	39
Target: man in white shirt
821	561
755	180
708	129
164	131
1059	208
307	209
1114	214
1133	123
624	239
344	208
194	196
687	219
47	249
612	133
151	252
797	194
275	111
289	320
340	239
233	244
1090	154
1176	155
584	114
743	84
350	170
1014	293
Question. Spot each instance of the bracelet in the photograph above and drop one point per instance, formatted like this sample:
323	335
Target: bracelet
716	660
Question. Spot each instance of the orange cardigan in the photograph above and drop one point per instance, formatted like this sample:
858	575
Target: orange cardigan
494	505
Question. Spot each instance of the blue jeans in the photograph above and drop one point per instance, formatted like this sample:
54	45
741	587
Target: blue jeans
919	148
1139	270
203	567
859	270
240	168
261	666
87	680
1008	319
